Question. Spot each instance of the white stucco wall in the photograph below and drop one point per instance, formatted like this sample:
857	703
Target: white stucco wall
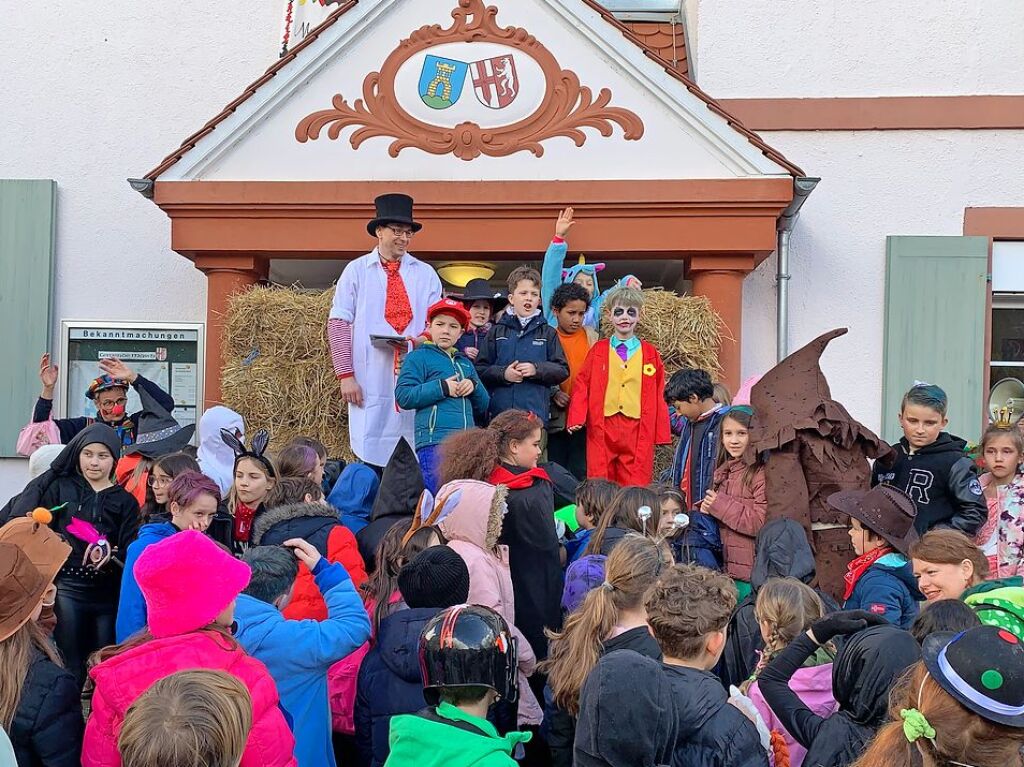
819	48
873	184
94	94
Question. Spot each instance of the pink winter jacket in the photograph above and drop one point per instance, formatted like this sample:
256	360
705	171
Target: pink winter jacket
813	685
740	510
123	678
472	529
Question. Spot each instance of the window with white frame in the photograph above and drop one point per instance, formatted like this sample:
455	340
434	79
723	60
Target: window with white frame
1007	350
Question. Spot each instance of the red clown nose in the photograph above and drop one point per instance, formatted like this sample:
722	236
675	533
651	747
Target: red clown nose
118	411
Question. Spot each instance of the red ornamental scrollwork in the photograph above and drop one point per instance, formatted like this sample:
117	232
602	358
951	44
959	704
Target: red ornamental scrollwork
568	107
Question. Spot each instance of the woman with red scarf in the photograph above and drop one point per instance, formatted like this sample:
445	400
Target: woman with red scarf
506	453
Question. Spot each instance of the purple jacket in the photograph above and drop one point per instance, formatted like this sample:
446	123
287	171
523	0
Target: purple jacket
813	684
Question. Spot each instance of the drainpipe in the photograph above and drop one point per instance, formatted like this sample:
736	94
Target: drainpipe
802	188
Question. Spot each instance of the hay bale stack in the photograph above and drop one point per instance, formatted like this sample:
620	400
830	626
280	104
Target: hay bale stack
277	369
685	329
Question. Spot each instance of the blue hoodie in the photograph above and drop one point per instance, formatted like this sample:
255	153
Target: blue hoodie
353	495
298	653
888	588
131	609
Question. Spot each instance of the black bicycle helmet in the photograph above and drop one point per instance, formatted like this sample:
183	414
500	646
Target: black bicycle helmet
468	646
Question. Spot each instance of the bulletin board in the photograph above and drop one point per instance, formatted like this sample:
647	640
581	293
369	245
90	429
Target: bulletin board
168	353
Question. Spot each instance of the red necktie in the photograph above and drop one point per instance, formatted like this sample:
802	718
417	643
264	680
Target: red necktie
397	309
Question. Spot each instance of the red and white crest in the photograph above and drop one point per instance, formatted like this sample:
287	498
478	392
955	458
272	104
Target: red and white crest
161	353
495	81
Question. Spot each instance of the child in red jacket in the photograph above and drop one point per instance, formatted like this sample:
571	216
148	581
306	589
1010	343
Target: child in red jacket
617	395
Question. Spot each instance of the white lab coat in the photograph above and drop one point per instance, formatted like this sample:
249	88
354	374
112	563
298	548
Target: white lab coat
375	428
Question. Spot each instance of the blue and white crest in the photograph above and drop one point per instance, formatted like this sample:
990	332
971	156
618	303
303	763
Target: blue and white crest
441	81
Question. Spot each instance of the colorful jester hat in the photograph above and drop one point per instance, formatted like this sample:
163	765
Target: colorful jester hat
593	316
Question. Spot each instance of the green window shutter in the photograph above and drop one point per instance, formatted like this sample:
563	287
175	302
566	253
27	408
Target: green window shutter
27	232
935	305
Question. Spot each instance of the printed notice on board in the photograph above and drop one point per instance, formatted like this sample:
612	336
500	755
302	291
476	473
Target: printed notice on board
184	380
168	354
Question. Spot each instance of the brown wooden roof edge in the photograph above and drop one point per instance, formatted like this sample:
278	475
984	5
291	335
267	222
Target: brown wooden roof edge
772	154
190	142
250	89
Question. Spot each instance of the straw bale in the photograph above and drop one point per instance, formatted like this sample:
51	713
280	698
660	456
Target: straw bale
277	369
685	329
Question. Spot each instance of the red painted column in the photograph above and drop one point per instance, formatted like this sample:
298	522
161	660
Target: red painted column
225	276
721	280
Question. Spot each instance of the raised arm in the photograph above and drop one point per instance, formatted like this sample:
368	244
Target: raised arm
554	259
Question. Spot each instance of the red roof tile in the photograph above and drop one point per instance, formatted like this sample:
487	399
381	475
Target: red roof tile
664	43
666	39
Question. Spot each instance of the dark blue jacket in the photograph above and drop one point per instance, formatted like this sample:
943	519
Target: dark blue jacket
888	588
507	342
131	609
421	387
701	456
473	337
389	681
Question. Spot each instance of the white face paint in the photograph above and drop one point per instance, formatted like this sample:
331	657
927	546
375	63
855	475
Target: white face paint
624	320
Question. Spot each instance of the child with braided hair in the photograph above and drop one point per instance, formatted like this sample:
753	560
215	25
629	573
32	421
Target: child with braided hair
785	608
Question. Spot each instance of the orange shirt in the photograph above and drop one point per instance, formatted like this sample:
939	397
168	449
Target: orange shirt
576	346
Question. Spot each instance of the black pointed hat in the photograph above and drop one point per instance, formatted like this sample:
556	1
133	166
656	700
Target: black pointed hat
400	485
158	434
393	209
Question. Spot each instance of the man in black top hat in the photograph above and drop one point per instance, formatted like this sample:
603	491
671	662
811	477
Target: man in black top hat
380	306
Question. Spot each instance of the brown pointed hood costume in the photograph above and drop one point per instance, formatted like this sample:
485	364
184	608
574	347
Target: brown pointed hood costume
814	448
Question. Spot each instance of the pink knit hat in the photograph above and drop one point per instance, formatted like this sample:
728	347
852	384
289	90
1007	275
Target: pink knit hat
187	581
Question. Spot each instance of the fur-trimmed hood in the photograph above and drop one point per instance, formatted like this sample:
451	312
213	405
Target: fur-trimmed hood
477	517
269	519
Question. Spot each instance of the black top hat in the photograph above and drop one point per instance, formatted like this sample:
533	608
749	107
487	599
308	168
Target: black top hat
158	433
884	510
982	669
393	209
479	289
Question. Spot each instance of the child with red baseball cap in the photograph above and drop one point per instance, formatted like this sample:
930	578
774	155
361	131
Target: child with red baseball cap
440	383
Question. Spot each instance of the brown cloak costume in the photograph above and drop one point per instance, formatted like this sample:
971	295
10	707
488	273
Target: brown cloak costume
814	448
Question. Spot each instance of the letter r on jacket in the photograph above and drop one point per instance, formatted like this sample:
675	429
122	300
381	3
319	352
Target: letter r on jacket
919	484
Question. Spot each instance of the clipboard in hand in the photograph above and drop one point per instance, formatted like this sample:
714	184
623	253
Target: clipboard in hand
389	342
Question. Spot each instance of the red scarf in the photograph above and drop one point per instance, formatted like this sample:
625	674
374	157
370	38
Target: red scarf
243	522
858	567
502	476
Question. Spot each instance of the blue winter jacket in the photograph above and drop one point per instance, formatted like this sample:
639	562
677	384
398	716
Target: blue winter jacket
298	653
704	459
390	682
131	608
353	495
420	387
888	588
507	342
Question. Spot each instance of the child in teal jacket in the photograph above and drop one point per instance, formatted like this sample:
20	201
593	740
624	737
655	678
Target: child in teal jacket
441	385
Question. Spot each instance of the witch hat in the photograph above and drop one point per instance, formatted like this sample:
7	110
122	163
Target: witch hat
158	433
401	484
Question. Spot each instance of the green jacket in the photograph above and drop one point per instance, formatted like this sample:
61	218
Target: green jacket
449	737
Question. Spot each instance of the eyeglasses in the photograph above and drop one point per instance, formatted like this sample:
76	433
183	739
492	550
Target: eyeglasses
114	402
158	481
401	232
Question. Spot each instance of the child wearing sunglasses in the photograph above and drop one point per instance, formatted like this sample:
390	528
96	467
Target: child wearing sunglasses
617	395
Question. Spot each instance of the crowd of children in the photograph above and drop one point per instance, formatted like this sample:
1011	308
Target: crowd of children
259	604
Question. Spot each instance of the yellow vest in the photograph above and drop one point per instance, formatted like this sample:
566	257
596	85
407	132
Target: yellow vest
624	384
